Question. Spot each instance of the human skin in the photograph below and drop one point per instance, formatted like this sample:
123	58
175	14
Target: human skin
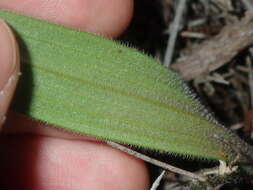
35	156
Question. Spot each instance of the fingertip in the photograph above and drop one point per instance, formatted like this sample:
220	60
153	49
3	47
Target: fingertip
130	172
37	162
113	20
8	53
105	17
9	68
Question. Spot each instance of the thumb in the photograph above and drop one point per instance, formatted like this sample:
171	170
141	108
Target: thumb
9	68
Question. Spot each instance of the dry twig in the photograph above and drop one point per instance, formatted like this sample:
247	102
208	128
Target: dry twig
173	32
157	181
218	51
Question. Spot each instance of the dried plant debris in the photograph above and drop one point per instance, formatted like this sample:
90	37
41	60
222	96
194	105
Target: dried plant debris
214	54
219	50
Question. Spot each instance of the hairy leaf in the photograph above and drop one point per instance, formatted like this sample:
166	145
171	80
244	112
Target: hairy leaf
91	85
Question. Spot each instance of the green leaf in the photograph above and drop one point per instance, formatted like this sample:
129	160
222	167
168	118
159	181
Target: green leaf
91	85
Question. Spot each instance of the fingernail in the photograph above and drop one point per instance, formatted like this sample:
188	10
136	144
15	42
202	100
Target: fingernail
8	53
